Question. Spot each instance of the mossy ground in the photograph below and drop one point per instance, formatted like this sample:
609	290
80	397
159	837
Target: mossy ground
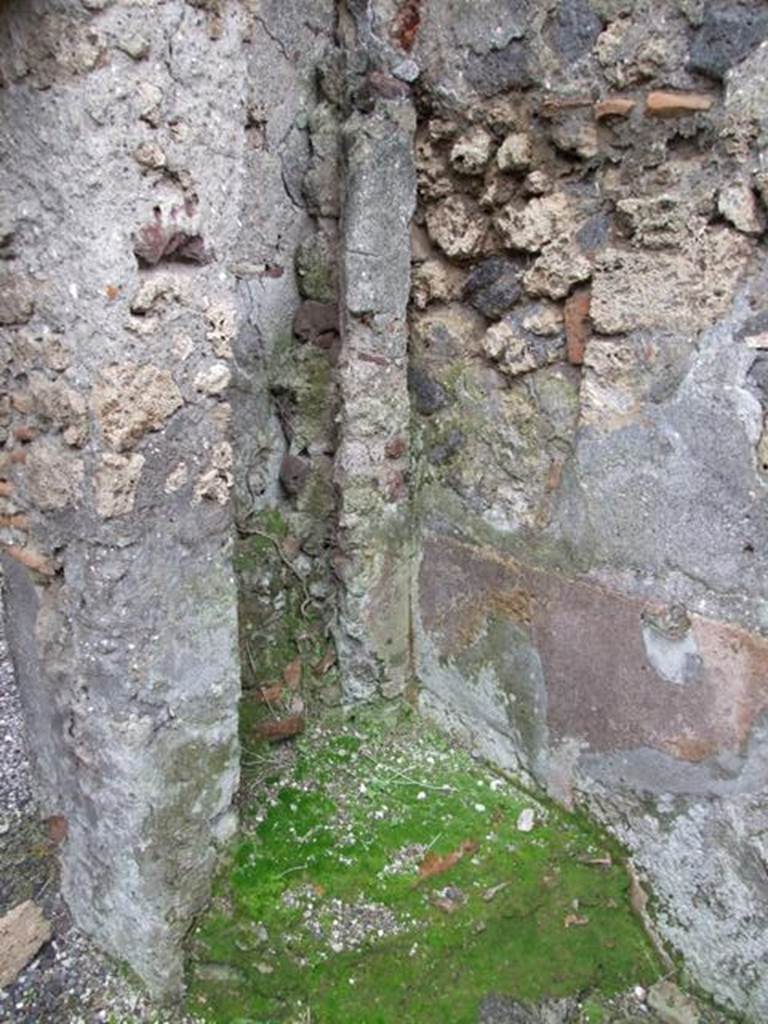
323	914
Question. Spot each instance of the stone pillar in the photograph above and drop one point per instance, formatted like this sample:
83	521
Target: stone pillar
373	457
122	168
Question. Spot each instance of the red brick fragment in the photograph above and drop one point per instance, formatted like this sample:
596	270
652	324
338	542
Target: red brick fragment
16	521
58	828
676	104
395	447
273	270
613	106
160	240
31	559
407	23
292	674
269	694
577	325
280	729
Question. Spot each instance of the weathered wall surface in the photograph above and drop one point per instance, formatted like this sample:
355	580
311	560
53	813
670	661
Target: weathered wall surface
374	538
520	474
587	364
284	391
123	140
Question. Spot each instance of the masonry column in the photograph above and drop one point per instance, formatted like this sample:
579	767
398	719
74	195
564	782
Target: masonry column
122	152
372	461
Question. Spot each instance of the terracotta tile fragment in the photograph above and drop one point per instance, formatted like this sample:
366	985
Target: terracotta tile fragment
613	106
577	325
280	729
30	558
676	104
292	674
16	522
407	23
269	694
58	828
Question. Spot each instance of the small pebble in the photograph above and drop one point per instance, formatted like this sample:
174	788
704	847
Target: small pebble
526	820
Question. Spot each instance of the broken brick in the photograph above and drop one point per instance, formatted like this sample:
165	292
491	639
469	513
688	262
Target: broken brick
613	106
577	325
30	558
269	694
161	240
676	104
16	521
280	729
407	24
395	447
57	828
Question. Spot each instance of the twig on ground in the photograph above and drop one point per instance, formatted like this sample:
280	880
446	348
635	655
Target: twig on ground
400	777
254	531
297	867
438	836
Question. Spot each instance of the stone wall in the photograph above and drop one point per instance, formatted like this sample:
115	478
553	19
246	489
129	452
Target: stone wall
456	311
587	329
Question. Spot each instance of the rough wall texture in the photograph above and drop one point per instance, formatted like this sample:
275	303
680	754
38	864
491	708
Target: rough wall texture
587	334
466	303
374	536
173	198
123	136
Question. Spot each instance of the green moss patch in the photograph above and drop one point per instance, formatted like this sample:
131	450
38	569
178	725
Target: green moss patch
382	876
